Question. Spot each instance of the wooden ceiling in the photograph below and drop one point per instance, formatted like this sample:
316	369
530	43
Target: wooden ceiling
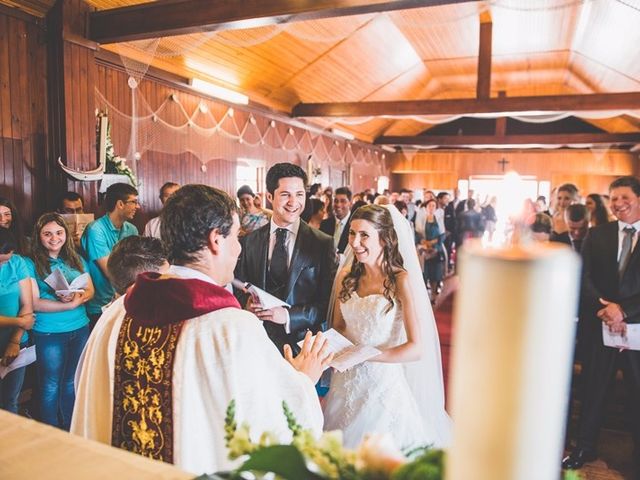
538	48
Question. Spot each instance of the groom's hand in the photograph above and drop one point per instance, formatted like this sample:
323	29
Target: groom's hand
314	357
276	315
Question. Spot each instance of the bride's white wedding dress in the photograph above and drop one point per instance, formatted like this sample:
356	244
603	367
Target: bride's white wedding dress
403	399
374	396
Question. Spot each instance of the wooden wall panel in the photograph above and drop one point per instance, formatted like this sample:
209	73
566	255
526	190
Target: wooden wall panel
590	171
22	113
156	167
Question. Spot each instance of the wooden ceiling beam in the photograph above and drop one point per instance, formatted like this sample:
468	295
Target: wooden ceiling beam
483	86
179	17
500	106
479	140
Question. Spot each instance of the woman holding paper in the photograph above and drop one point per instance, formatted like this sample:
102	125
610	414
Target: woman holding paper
62	326
16	316
380	299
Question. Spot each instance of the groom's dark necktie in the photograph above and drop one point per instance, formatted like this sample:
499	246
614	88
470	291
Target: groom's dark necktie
279	267
625	251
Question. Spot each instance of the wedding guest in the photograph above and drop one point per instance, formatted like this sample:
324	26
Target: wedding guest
541	227
10	219
101	235
433	250
314	213
577	219
315	191
152	229
337	226
567	194
132	256
251	217
62	325
70	203
598	212
16	316
610	299
469	222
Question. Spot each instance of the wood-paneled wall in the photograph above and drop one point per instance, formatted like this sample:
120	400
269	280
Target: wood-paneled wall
23	112
154	167
591	171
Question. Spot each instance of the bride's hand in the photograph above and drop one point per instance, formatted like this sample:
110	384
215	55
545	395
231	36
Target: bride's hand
313	358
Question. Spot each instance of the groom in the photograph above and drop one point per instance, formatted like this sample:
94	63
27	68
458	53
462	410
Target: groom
290	260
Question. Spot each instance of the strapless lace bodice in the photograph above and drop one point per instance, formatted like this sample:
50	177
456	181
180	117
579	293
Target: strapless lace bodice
368	322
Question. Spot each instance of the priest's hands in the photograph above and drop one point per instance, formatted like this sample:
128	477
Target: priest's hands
313	358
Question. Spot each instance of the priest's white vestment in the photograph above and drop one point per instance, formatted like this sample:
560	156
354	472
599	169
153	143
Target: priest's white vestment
219	356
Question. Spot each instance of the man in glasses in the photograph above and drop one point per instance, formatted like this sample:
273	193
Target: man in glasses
99	238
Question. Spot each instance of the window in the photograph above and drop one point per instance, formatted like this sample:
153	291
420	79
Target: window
250	172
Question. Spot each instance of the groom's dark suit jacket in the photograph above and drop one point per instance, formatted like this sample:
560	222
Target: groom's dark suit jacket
600	280
311	272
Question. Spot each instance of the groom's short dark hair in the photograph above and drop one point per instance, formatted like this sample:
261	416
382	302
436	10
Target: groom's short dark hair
283	170
188	218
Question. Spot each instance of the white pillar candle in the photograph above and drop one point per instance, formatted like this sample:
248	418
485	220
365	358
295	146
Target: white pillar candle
513	345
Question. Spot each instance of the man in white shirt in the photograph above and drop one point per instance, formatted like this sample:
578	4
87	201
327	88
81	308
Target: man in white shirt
337	226
152	229
165	360
610	299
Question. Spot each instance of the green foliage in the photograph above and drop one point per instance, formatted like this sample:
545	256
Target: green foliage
230	425
292	423
285	461
572	475
428	466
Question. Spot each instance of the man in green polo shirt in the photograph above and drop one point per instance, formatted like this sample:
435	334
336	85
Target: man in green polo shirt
101	235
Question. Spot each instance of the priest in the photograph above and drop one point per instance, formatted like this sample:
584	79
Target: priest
164	361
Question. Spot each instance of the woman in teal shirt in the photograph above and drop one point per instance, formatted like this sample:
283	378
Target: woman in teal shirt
61	329
16	316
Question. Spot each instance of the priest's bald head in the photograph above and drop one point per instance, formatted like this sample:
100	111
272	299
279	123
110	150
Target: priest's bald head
199	225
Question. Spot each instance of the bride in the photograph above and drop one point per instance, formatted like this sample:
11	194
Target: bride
380	299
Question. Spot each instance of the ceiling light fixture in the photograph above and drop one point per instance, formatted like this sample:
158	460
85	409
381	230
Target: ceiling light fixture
343	134
219	92
387	148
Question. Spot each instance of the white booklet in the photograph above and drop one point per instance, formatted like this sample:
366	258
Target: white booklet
26	357
259	296
60	285
346	354
629	341
77	222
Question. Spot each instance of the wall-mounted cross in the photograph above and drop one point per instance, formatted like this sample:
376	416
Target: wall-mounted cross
503	163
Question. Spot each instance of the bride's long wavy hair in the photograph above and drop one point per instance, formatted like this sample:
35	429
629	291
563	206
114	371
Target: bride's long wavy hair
392	262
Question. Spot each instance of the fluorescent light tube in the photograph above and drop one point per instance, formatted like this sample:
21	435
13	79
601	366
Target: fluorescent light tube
219	92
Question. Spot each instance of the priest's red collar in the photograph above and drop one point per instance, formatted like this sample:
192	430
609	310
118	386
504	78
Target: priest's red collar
156	299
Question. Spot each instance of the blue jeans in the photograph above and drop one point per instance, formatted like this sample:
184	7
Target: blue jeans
10	387
57	356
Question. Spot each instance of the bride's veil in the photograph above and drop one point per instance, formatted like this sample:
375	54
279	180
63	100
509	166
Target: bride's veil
424	376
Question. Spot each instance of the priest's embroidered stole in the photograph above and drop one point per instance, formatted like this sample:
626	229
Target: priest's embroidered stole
143	390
